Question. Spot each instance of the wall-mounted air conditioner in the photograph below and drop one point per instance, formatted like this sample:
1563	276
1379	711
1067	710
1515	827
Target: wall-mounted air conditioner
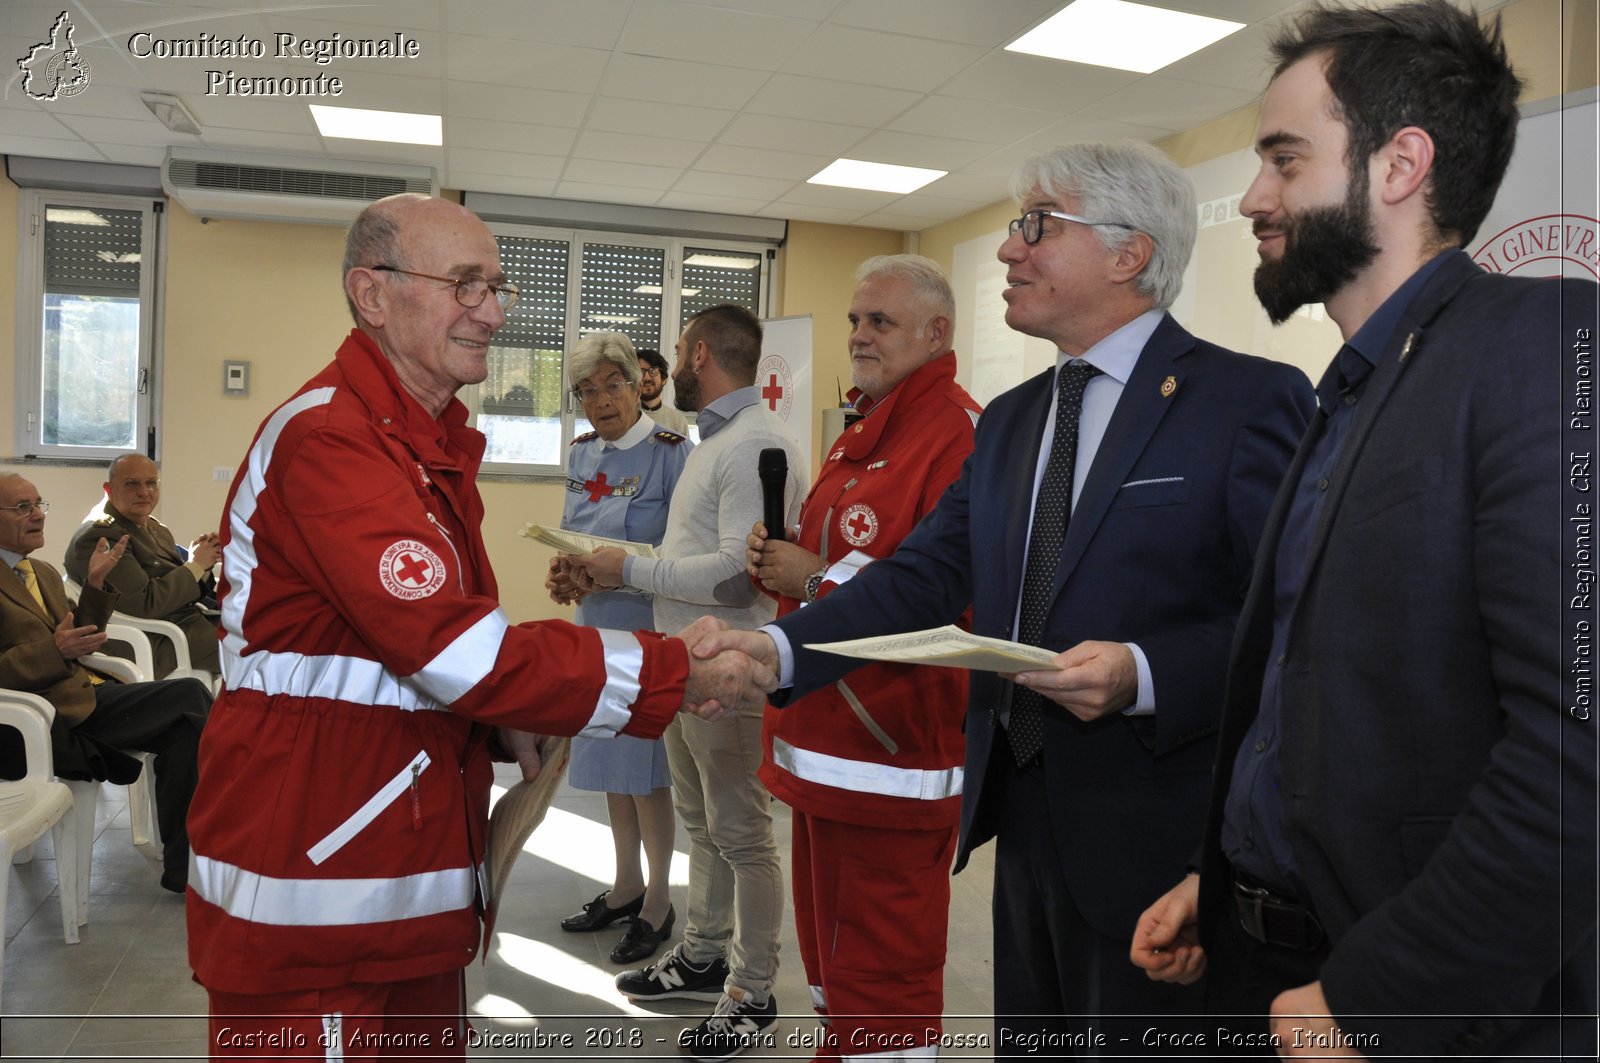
214	184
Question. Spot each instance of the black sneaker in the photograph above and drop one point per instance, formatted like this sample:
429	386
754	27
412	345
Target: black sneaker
673	976
736	1025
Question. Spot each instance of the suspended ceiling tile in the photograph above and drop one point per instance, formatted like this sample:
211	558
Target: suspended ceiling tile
525	64
498	136
496	103
641	77
868	57
650	118
1033	81
993	22
622	174
505	163
816	138
859	200
714	204
760	162
966	119
1169	104
975	189
1237	62
907	149
799	212
632	148
590	24
766	189
604	193
697	33
819	99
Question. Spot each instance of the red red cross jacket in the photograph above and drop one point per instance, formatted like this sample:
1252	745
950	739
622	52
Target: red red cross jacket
338	828
882	747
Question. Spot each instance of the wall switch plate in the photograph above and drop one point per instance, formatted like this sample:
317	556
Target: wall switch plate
221	474
236	378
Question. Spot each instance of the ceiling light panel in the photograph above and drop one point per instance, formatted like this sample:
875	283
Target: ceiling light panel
1121	35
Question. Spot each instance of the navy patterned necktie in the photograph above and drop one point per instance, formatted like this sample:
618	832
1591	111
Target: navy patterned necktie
1050	515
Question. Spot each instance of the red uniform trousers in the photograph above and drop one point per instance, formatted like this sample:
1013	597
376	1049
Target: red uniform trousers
420	1018
871	911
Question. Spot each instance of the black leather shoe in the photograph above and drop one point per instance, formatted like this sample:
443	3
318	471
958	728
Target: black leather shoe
597	916
642	939
175	879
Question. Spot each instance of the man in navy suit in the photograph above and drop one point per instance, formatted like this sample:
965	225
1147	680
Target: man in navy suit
1400	852
1180	446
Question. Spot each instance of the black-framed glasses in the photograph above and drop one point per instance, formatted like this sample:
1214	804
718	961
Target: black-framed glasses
649	370
1031	224
26	509
470	291
614	388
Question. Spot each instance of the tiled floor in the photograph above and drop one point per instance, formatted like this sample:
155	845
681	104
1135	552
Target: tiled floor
124	991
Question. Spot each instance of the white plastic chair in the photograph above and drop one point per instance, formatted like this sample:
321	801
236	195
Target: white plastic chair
143	650
142	791
37	803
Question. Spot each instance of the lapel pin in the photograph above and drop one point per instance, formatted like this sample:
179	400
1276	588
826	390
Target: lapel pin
1168	386
1405	352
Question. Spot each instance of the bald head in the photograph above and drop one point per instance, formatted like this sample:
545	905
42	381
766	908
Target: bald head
414	265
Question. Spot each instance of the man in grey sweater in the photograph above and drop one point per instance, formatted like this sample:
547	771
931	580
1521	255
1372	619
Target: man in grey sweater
729	952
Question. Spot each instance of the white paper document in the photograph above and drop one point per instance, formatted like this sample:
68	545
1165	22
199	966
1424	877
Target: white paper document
571	542
947	646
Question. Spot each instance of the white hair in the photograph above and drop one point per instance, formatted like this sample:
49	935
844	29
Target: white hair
1130	182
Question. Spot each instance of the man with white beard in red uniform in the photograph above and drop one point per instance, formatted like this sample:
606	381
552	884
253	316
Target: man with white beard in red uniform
872	765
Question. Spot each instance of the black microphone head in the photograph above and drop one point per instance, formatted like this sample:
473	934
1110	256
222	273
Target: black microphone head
773	464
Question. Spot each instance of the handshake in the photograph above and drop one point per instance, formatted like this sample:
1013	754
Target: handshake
729	670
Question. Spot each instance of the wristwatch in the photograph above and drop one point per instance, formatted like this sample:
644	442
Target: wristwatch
814	583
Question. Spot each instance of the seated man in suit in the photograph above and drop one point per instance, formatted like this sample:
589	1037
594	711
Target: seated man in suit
154	578
41	642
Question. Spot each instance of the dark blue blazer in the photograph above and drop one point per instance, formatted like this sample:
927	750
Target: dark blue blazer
1157	552
1441	799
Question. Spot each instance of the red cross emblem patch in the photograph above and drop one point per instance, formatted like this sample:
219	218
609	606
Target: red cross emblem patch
410	570
858	525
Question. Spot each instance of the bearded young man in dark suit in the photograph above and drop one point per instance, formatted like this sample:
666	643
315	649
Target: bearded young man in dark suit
1400	853
1179	449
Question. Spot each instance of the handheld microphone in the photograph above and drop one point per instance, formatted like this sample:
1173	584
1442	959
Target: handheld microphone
773	468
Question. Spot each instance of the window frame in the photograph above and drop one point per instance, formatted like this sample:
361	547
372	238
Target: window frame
673	248
28	415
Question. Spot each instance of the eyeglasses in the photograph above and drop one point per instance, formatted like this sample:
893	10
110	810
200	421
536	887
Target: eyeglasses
649	370
1032	223
26	509
614	388
470	291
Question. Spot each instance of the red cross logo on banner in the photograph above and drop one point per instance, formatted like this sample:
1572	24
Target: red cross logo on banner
859	525
410	570
773	392
597	488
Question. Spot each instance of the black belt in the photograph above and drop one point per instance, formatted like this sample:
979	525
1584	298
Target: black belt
1275	920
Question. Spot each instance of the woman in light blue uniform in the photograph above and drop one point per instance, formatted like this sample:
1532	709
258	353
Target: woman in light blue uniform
619	479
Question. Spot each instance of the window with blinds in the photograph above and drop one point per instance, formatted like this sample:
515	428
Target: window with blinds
85	308
574	284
